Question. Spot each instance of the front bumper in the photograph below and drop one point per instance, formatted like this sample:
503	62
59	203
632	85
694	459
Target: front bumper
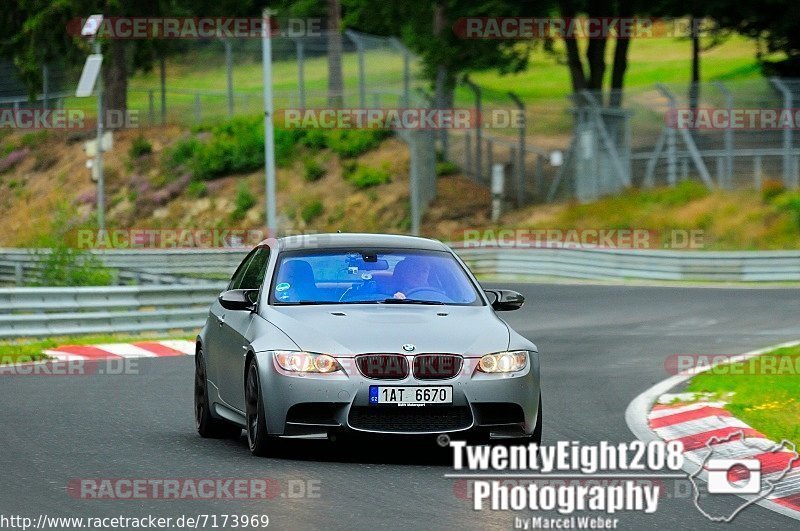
319	405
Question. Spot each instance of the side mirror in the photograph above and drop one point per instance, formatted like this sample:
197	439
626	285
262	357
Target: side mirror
504	300
238	299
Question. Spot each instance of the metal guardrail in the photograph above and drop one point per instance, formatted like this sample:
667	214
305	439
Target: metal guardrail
42	312
138	266
606	264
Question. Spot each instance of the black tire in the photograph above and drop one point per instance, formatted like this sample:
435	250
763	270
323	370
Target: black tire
208	426
258	438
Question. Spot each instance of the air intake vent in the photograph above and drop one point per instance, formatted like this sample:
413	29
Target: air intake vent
383	366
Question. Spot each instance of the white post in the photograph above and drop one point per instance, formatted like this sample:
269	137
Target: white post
269	132
498	186
98	159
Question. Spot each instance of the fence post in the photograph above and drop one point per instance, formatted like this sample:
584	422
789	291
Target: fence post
478	134
538	176
19	275
414	184
757	172
301	71
489	153
788	173
151	106
197	109
727	138
406	70
229	72
522	126
697	157
45	86
468	152
163	75
362	73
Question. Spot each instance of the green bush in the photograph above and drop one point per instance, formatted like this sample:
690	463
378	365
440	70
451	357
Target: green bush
790	203
315	139
244	201
34	139
182	152
350	143
446	168
234	146
64	266
680	194
196	189
139	147
771	189
312	210
312	170
363	177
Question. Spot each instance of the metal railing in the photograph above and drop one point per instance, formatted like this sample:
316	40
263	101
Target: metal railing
139	266
605	264
42	312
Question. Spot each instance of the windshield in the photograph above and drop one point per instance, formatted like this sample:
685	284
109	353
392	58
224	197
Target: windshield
369	276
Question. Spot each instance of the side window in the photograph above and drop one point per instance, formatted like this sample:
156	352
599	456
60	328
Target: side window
256	269
236	280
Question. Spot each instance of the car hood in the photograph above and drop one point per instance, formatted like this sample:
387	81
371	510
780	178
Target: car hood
358	329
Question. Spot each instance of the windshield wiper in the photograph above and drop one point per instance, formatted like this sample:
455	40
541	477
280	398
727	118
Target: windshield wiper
410	301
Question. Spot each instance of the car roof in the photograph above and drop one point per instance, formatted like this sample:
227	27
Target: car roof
358	240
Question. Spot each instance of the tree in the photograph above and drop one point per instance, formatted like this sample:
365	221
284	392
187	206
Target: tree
427	29
592	76
38	35
331	11
775	22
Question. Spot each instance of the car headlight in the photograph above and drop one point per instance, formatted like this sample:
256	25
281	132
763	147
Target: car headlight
293	361
504	362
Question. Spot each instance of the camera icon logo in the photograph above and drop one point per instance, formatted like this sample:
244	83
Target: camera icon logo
734	476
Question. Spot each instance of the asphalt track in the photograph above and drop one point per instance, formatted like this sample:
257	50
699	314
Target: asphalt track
600	347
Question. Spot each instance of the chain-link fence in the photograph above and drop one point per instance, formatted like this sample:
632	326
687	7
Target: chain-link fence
733	134
216	79
14	94
585	146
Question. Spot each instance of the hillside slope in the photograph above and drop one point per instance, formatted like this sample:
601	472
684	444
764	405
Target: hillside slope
45	189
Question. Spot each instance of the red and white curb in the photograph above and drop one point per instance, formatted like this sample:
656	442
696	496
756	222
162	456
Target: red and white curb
705	426
653	416
140	349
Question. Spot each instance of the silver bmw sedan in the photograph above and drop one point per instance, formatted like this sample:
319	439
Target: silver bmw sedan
326	334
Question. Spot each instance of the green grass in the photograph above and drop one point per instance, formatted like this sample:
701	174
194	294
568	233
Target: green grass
19	351
765	391
544	86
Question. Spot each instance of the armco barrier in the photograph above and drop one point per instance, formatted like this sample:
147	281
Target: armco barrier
43	312
137	266
606	264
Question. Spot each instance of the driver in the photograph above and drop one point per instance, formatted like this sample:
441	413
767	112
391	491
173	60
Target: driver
410	274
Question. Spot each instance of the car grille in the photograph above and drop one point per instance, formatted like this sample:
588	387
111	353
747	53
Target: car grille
395	419
437	366
383	366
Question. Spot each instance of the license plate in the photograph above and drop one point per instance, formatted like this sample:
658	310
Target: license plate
410	395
